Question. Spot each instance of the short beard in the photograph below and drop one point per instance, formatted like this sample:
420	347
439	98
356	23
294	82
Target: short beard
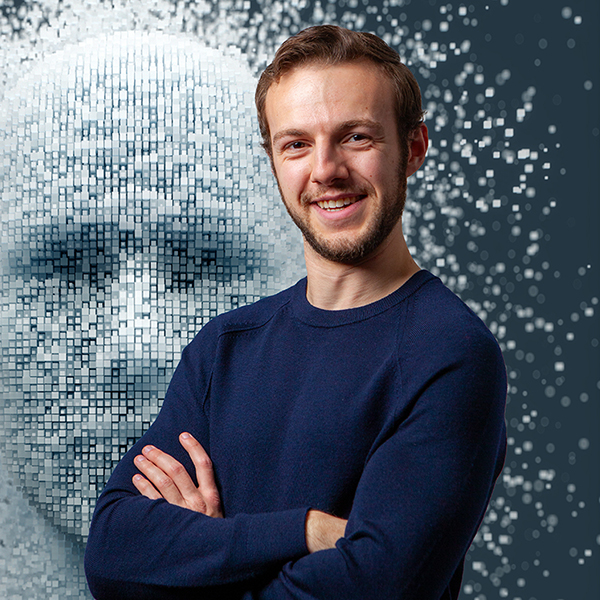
349	251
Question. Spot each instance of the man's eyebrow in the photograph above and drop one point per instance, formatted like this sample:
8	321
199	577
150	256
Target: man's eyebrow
342	127
287	133
376	126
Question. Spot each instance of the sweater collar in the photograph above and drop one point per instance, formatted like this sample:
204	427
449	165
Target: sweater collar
318	317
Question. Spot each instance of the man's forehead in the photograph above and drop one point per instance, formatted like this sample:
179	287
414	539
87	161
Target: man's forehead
309	66
359	86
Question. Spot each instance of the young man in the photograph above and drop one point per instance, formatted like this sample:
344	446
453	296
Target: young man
355	422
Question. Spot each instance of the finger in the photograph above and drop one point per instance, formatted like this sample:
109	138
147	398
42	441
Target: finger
156	469
173	469
145	488
204	473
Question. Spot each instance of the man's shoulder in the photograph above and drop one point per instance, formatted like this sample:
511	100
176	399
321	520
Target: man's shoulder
441	319
438	303
252	315
244	318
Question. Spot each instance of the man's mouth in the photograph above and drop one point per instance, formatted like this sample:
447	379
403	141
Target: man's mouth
338	203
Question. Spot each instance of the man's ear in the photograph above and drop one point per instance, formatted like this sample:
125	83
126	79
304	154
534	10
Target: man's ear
417	148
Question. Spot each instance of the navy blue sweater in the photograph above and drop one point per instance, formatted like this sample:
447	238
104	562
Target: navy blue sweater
390	415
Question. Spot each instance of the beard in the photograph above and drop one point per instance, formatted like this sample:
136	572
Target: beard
347	249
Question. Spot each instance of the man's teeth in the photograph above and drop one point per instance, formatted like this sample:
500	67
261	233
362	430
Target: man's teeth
340	203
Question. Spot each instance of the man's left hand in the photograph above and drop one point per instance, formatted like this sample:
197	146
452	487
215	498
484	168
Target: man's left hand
167	478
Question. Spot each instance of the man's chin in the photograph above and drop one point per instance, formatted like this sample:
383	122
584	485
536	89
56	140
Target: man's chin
347	251
351	249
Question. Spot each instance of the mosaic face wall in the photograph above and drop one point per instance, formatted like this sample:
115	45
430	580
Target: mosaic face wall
137	204
136	208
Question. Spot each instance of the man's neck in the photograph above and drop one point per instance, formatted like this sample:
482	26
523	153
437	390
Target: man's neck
336	286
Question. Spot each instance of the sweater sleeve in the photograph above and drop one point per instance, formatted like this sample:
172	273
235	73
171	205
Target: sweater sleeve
422	495
141	548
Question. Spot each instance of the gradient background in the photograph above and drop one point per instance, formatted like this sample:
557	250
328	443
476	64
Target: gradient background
541	537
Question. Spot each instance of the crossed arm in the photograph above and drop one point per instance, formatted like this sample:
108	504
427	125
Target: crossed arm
167	478
415	509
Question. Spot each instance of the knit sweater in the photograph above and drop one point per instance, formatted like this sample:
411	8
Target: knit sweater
390	415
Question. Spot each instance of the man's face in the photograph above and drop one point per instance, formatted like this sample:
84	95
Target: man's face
337	156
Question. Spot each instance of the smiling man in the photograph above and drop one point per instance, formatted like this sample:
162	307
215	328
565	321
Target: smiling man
338	440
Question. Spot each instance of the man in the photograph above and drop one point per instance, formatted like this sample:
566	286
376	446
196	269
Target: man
355	422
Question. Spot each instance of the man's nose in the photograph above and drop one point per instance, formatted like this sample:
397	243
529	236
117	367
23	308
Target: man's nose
328	164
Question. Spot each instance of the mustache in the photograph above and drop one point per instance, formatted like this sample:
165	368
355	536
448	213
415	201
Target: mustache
307	198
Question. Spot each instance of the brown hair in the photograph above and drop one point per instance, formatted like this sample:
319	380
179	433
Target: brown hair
331	45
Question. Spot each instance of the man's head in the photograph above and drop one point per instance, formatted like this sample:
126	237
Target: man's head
333	45
341	120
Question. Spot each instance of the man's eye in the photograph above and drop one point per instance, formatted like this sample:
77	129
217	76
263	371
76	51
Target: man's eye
295	145
358	137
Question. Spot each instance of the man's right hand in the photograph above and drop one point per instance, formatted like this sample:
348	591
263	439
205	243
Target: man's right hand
167	478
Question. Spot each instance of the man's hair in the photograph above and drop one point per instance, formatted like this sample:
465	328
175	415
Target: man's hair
332	45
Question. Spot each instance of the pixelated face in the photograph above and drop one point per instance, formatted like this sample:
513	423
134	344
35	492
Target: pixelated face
136	206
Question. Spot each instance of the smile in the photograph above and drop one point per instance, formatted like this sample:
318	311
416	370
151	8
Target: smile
338	203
